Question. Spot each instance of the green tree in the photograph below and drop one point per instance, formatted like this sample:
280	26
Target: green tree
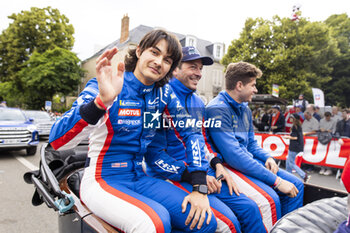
293	54
54	71
34	30
338	89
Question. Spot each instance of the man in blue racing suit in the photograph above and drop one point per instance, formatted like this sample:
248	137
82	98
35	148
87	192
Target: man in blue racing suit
167	158
282	191
115	110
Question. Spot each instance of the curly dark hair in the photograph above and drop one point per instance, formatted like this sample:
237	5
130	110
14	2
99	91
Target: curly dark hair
151	39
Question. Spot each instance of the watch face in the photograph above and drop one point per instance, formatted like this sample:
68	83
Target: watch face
203	189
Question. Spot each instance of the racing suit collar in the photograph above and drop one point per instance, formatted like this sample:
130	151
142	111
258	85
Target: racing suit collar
136	85
181	89
238	107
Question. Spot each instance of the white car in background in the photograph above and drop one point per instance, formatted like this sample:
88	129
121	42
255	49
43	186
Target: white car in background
42	120
17	131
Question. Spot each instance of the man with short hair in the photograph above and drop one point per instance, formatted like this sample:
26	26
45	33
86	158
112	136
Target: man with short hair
311	108
343	126
239	150
168	143
327	123
336	115
310	125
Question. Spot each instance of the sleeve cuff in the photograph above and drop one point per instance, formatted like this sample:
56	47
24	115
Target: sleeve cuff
198	177
186	176
215	161
91	113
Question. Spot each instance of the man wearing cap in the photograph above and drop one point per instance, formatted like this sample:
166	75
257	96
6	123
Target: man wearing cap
168	143
277	123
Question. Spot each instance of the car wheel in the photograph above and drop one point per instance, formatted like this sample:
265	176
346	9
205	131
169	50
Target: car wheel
31	150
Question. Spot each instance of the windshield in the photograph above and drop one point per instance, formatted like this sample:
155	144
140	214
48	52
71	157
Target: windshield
38	115
8	114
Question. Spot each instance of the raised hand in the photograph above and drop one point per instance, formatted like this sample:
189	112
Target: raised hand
109	85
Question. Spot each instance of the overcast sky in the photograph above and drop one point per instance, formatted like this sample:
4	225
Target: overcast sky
97	22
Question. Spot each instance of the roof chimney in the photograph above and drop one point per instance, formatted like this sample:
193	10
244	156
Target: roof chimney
124	35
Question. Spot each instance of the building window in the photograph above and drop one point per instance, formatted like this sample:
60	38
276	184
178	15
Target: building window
191	41
218	51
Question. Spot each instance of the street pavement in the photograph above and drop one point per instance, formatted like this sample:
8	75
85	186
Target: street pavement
17	214
326	181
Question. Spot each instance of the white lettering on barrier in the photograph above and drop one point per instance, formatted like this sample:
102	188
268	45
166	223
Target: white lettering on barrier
324	155
333	154
258	139
274	140
320	154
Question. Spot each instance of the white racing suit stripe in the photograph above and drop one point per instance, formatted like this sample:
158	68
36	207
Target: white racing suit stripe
255	193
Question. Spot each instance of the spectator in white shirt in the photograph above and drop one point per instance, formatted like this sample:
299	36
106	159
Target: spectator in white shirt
336	115
327	123
310	125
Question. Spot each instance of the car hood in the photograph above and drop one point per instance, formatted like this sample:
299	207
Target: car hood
14	124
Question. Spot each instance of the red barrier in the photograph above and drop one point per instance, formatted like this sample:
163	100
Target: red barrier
330	155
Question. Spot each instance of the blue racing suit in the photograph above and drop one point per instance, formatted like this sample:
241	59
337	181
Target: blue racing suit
114	185
167	158
236	143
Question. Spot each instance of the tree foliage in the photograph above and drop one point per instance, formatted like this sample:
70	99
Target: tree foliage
54	71
296	55
338	89
37	30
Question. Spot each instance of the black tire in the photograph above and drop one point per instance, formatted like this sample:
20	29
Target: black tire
31	150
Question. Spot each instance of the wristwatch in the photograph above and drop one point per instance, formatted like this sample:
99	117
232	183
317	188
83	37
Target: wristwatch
202	188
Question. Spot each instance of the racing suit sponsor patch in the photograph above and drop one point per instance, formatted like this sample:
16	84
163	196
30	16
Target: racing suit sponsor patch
196	151
129	112
130	103
128	122
116	165
166	167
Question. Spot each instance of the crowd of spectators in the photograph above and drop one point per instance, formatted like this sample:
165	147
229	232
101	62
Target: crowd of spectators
322	124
